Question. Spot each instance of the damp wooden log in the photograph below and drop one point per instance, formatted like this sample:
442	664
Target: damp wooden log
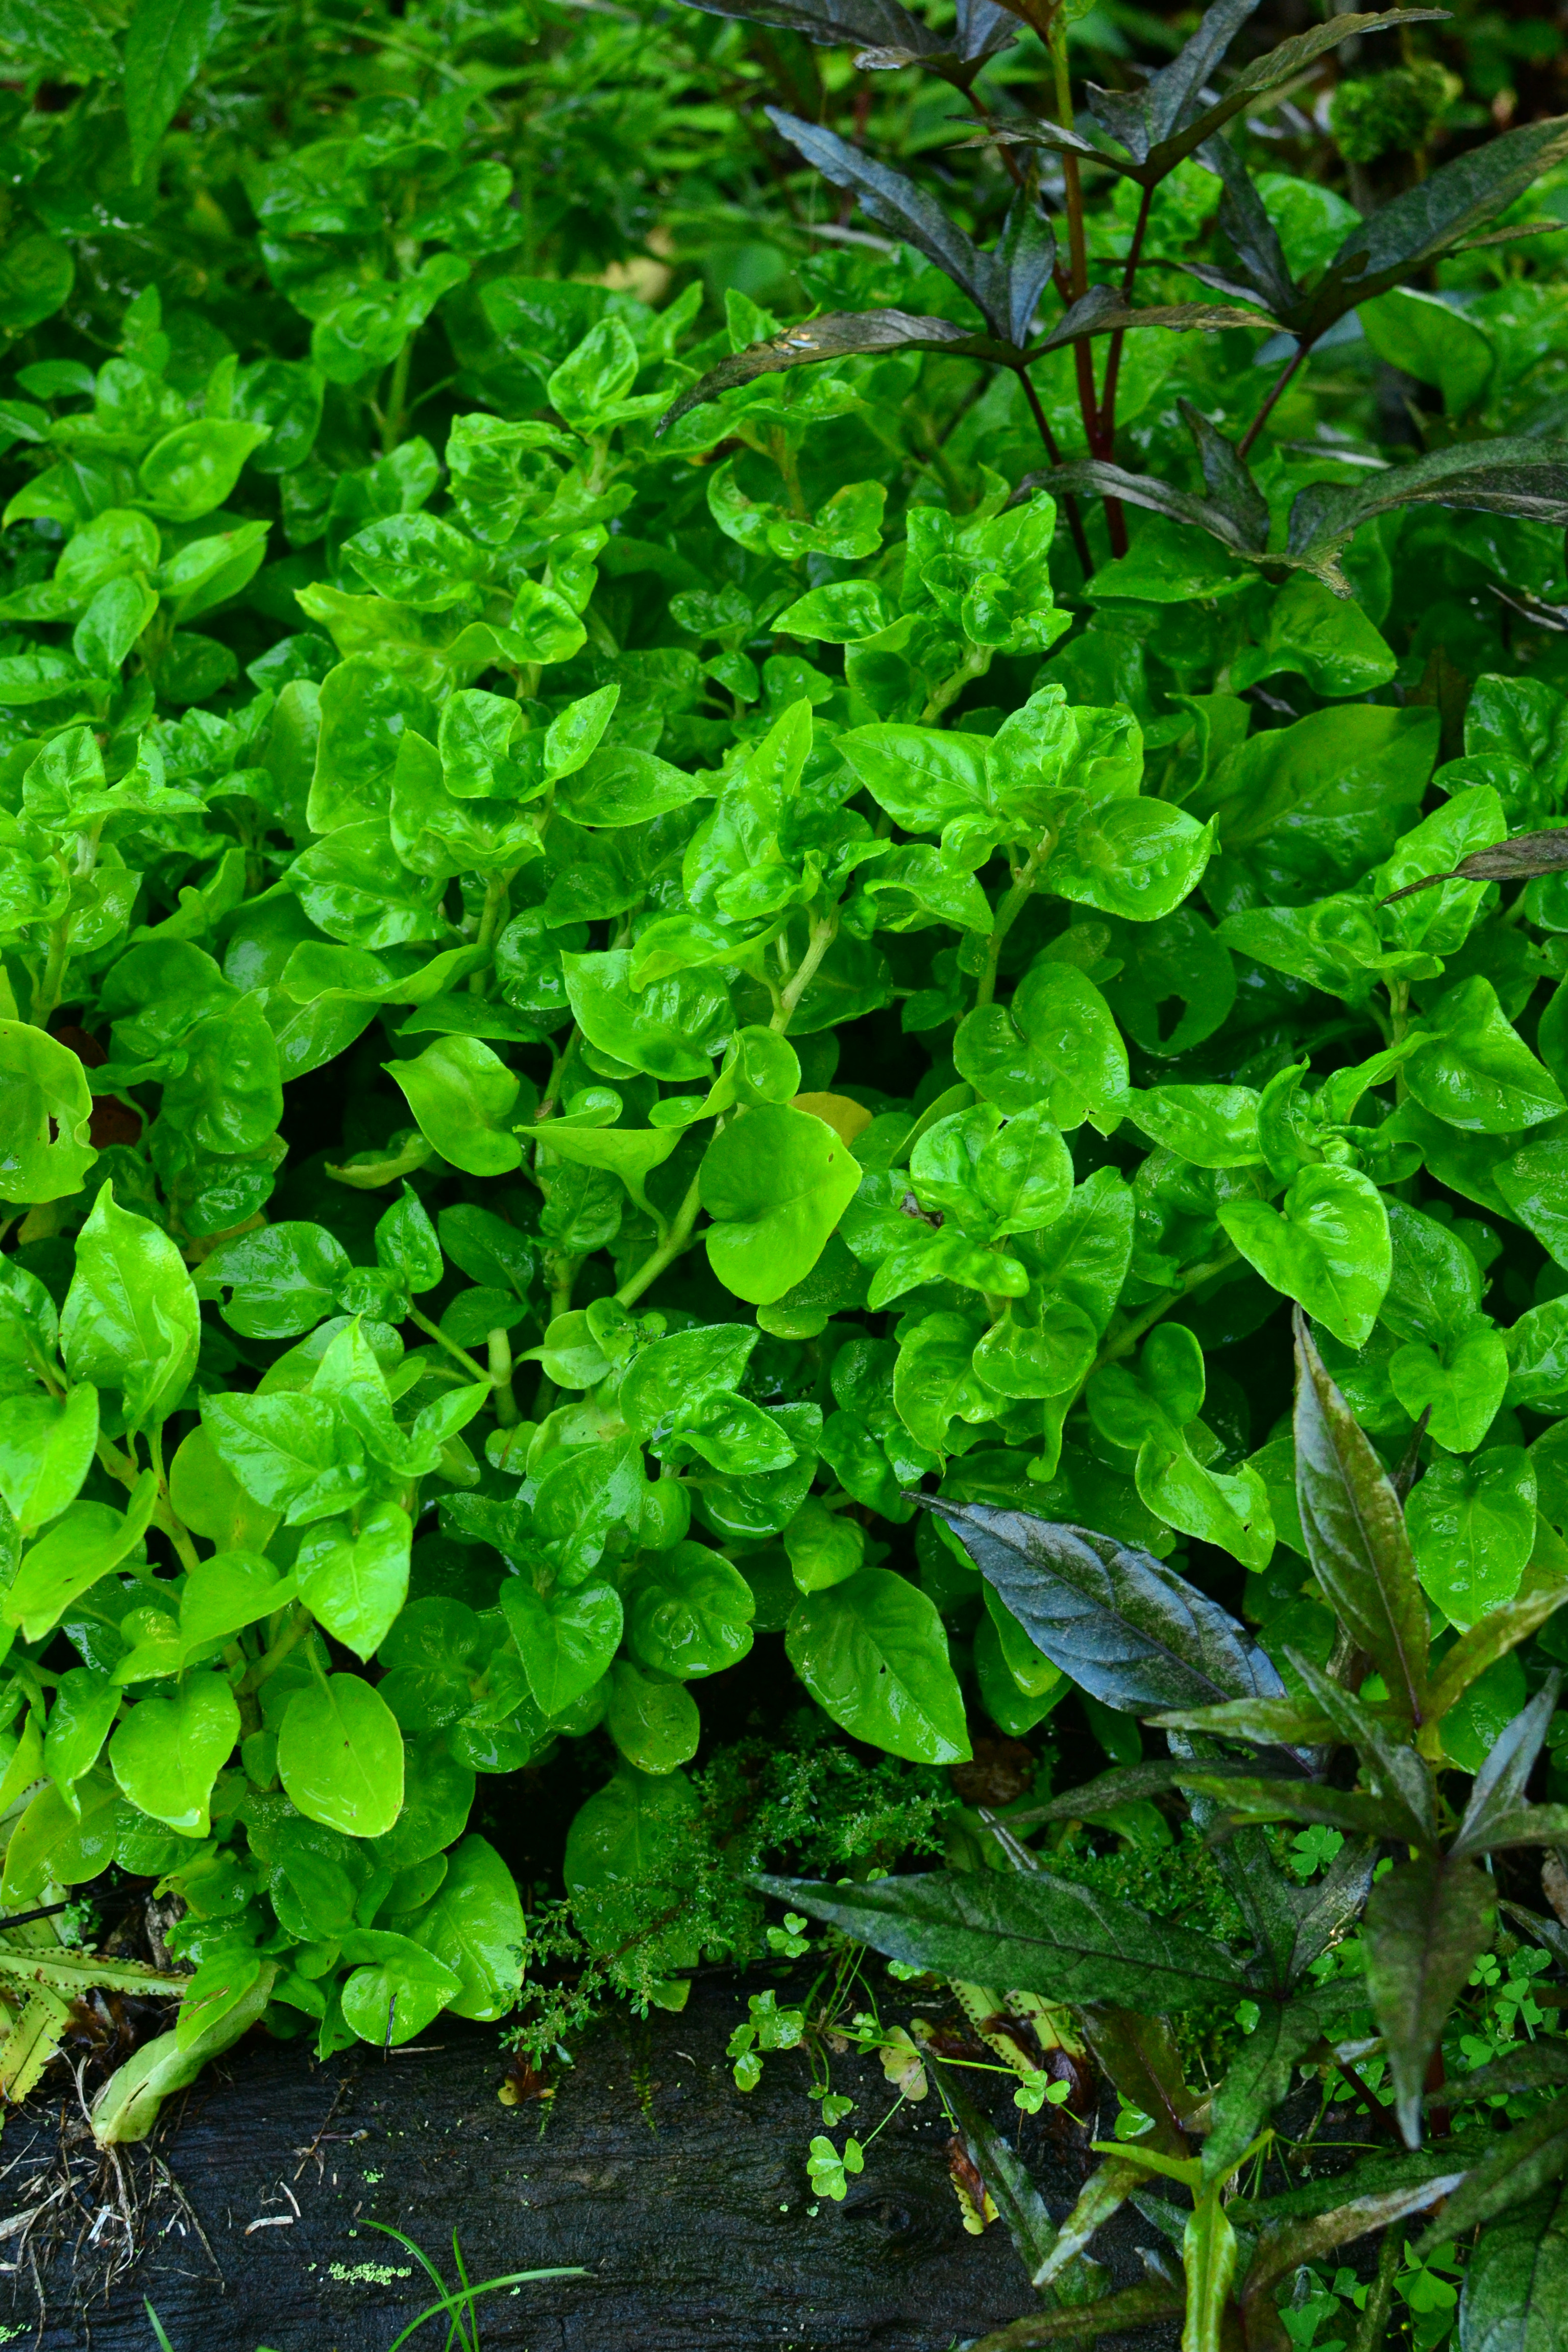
686	2202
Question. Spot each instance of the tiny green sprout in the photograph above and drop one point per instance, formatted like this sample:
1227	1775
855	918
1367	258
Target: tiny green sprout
790	1940
827	2170
1313	1850
835	2108
1039	2091
769	2027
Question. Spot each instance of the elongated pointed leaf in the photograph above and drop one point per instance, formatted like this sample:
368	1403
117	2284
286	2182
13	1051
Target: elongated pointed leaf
1399	1773
1492	1636
1532	2153
885	35
889	197
1026	254
1402	236
873	24
1228	478
1014	2193
1131	2307
1284	2246
1428	1923
1352	1811
1054	138
1328	1907
1028	1930
1125	1786
1107	2189
1523	477
1530	2066
1143	118
1139	2054
1127	1629
1260	2072
1499	1785
1519	860
1209	2252
1526	1826
1102	312
1105	481
1355	1533
1188	129
1252	236
1282	1722
1268	1902
1516	2279
1369	2176
838	334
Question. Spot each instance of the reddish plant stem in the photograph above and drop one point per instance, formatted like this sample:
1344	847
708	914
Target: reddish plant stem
1115	517
1070	507
1275	389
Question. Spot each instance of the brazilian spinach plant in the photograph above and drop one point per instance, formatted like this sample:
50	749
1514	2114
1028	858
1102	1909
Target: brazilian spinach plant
620	967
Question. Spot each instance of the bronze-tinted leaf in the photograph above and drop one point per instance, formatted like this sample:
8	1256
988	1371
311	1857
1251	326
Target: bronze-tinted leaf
1517	477
837	335
1516	2278
1431	217
1492	1636
1128	1784
1355	1534
1519	860
1354	1811
885	36
1107	481
896	204
1531	2154
1287	2244
1498	1813
1170	128
1127	1629
1228	478
1028	1930
1428	1923
1102	312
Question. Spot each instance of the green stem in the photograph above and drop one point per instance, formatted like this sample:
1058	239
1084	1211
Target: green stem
668	1250
165	1515
784	459
293	1634
974	665
824	931
1374	2325
497	907
397	400
507	1413
548	1099
1007	913
475	1370
46	994
1128	1338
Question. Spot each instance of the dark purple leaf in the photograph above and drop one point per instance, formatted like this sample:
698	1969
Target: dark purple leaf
1127	1629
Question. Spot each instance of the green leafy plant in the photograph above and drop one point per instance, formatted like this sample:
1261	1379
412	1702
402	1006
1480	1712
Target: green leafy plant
620	968
1424	1922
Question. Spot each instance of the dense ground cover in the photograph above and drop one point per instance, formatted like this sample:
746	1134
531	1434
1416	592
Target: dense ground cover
738	786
